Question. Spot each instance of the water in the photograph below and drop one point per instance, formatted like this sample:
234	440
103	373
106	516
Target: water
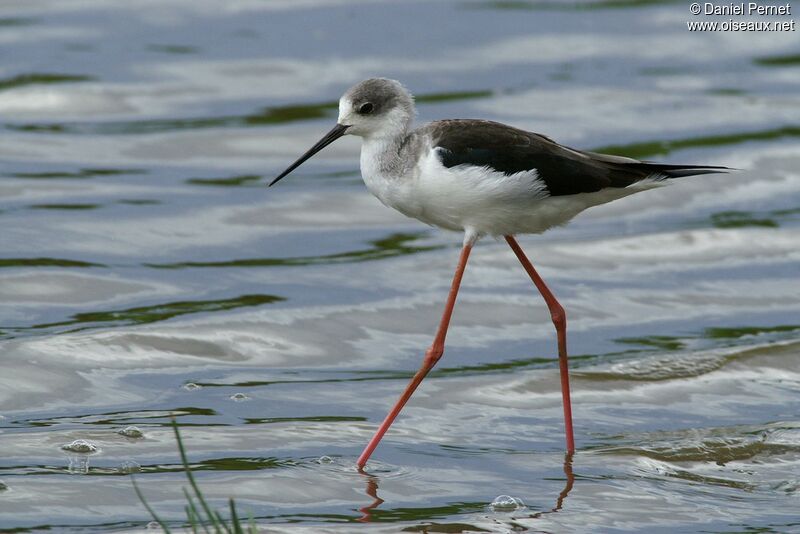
146	271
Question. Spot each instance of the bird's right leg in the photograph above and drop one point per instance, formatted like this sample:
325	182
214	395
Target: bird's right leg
560	321
432	356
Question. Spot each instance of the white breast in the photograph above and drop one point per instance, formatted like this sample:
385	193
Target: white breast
476	199
397	191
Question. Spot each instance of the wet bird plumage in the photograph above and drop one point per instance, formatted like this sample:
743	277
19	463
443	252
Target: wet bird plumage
480	177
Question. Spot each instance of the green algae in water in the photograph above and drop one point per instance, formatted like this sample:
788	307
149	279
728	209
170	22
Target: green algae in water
45	262
788	60
741	331
161	312
389	247
83	173
740	219
150	314
68	207
656	342
243	179
664	148
173	49
41	78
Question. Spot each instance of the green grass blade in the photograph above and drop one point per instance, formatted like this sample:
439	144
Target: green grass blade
148	507
184	460
194	519
191	518
237	526
220	523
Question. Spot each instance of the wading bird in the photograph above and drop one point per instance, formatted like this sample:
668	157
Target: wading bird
481	178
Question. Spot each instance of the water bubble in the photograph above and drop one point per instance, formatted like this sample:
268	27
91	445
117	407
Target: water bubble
129	466
239	397
131	432
324	460
190	386
506	503
81	445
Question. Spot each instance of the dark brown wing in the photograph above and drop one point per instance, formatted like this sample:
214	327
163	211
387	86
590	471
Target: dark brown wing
565	171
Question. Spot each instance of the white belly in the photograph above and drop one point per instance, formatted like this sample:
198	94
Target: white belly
475	199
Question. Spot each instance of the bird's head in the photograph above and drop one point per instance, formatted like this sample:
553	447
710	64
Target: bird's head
377	107
373	109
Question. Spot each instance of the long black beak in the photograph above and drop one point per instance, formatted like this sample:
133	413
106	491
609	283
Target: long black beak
329	138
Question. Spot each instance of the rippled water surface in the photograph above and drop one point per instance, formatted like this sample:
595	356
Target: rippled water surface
145	271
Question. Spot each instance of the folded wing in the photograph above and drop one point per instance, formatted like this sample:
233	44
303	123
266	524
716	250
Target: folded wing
564	170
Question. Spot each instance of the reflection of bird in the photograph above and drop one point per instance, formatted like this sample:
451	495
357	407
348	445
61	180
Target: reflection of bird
372	491
480	177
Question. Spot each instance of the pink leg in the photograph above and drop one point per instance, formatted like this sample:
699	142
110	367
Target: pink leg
432	356
560	321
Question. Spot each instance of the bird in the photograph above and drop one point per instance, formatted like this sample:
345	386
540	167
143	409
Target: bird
482	178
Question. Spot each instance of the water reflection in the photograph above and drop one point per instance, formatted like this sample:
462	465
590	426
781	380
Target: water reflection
372	483
371	491
570	476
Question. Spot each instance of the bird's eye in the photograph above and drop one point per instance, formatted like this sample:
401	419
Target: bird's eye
366	108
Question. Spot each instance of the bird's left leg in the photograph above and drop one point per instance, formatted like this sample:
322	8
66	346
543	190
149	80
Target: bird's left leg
560	321
432	355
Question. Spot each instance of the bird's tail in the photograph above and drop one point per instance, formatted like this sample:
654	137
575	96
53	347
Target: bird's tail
627	171
677	171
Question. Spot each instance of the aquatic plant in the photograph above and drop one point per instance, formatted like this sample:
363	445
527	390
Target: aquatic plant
199	513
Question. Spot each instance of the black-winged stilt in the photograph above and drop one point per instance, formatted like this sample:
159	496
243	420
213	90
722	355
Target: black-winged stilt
480	177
